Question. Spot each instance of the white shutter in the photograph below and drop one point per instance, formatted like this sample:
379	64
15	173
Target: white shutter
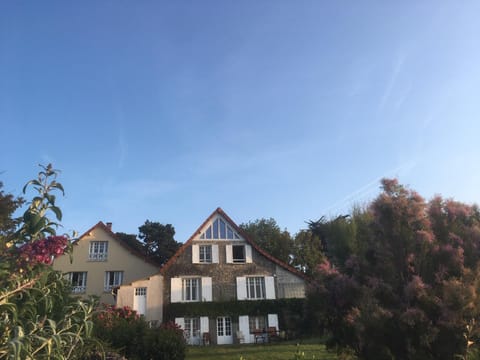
180	322
248	254
176	290
204	325
206	289
241	288
244	328
273	320
269	287
215	254
229	254
195	254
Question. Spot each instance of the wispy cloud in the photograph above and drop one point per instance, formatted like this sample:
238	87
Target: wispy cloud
397	68
365	192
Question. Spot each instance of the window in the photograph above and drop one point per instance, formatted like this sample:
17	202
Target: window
141	291
238	252
191	289
220	230
113	279
205	253
98	250
255	288
257	323
186	289
192	328
78	280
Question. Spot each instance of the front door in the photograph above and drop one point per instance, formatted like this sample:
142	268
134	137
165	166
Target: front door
224	330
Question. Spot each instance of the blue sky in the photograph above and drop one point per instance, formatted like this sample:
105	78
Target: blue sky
165	110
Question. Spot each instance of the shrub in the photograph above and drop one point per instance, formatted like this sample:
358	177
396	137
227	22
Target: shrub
164	343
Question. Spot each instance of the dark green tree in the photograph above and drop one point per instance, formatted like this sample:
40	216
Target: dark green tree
268	235
158	241
131	240
8	224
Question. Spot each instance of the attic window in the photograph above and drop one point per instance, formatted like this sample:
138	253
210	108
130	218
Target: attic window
219	230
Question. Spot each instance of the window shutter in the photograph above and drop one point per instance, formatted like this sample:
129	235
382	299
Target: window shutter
176	290
206	289
241	288
248	254
215	254
269	287
273	320
204	325
229	254
195	254
244	328
180	322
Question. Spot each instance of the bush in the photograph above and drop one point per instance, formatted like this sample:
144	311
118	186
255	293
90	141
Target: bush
121	328
164	343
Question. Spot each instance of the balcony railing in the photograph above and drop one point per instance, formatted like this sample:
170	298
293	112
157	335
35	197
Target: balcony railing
97	256
78	289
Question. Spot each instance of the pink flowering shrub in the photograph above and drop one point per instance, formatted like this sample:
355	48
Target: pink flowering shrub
42	251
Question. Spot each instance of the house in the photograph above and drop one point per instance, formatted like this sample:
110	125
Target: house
102	262
220	287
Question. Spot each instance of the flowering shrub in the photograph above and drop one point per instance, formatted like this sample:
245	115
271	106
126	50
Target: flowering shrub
38	317
42	251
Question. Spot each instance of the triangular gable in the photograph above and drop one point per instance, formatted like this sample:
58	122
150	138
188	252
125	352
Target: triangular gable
220	214
113	236
219	229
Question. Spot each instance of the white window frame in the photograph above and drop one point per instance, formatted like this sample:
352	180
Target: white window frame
80	285
112	280
191	289
179	291
247	254
205	254
98	251
243	293
256	288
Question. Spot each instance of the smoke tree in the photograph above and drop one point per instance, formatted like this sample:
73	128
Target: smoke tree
407	285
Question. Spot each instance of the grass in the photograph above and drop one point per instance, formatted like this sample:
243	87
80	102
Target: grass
275	351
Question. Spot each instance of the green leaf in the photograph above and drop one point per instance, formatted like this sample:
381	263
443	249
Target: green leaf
57	211
31	182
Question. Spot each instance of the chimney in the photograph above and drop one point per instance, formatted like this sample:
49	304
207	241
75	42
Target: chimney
109	226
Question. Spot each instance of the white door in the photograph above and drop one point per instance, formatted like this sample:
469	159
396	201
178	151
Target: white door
224	330
140	300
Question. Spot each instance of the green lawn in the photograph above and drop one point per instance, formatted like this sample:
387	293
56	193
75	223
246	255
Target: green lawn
275	351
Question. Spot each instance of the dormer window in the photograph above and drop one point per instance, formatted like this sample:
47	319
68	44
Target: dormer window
98	251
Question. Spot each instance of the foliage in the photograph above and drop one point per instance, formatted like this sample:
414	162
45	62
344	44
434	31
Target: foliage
308	251
128	334
8	225
400	280
165	343
121	328
38	317
158	240
268	235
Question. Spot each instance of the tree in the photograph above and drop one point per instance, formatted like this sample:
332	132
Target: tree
158	241
307	252
268	235
404	287
8	224
131	240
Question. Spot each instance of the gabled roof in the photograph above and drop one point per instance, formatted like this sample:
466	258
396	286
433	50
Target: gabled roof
101	225
222	213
